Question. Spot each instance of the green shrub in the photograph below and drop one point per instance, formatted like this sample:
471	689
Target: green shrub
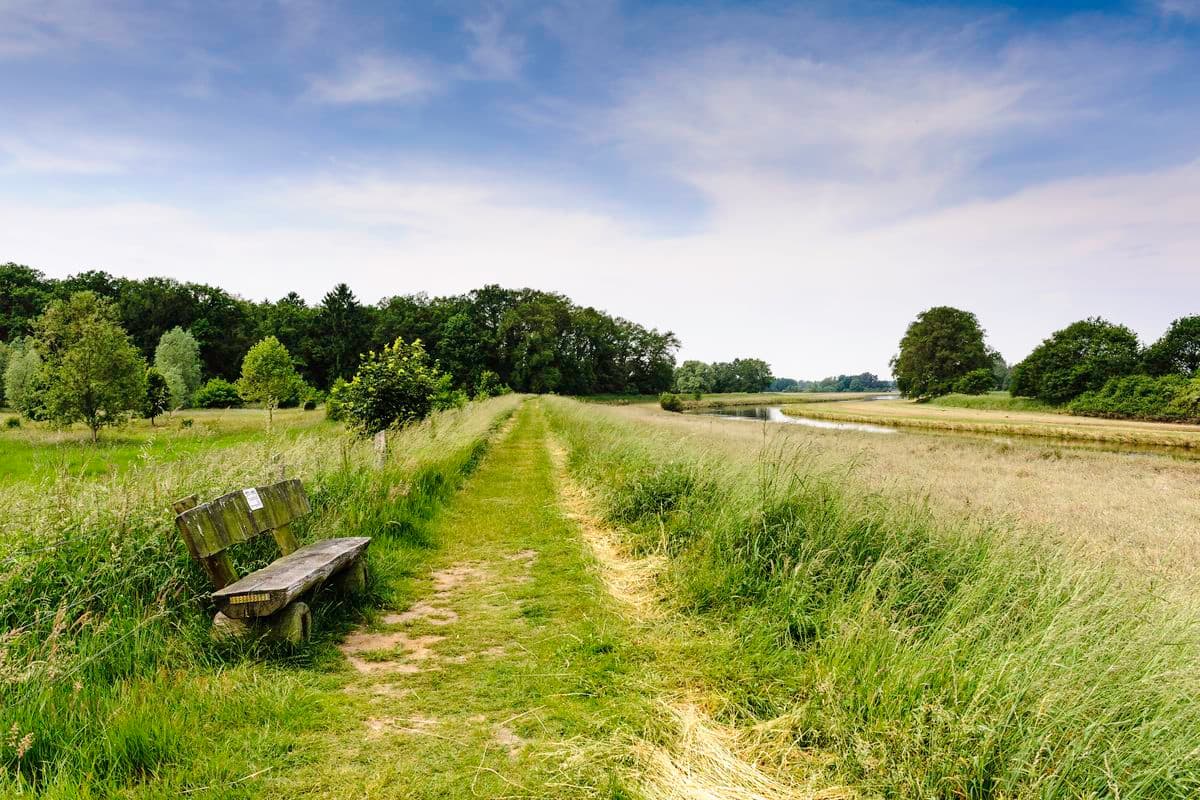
489	385
977	381
393	387
186	422
218	393
12	422
670	402
1135	397
334	410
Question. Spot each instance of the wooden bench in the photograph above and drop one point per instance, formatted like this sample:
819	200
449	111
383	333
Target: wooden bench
266	602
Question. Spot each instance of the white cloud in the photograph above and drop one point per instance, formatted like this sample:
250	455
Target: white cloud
494	53
1188	9
375	78
57	150
35	27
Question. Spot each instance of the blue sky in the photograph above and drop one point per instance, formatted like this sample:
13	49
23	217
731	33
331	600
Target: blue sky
788	180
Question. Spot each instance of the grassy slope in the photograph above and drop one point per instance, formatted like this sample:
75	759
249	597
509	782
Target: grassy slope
108	675
929	659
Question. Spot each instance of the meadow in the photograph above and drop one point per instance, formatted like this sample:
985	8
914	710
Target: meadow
610	601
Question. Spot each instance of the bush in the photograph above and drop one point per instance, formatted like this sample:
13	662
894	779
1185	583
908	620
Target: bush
1137	397
977	381
218	393
393	387
489	385
334	409
670	402
12	422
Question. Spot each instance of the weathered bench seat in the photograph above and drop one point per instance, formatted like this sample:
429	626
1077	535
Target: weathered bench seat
271	588
266	601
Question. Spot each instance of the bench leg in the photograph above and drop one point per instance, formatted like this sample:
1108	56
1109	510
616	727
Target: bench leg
353	579
291	624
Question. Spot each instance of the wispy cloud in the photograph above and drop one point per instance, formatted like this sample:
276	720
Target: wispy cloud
1188	9
376	78
35	27
495	53
56	150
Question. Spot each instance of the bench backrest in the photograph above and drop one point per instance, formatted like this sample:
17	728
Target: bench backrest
209	529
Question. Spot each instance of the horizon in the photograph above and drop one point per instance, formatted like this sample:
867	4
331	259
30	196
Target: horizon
791	184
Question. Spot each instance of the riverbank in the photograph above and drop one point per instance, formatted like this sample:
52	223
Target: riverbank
1051	426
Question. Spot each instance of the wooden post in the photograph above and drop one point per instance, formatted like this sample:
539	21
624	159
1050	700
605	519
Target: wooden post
380	449
285	539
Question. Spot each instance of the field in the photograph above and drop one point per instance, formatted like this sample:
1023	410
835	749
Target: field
611	601
1004	421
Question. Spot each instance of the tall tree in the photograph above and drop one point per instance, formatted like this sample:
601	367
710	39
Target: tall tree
345	330
939	347
1079	358
1178	351
178	354
93	373
694	376
24	293
22	376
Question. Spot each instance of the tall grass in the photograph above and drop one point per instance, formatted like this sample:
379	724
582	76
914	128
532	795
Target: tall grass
994	401
108	679
929	659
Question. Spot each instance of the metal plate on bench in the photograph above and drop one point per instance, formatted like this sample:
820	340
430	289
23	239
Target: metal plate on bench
274	586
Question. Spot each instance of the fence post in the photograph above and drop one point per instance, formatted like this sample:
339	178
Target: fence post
380	449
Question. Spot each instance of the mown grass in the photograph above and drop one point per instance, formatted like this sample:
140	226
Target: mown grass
926	657
994	401
109	682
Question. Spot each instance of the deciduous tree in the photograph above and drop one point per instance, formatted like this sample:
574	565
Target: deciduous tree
93	373
1080	358
940	346
268	376
178	352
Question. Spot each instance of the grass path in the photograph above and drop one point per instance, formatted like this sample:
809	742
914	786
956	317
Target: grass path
531	661
507	676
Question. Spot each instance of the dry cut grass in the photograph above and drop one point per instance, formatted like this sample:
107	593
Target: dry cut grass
1002	422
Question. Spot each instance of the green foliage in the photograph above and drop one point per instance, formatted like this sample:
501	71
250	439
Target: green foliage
22	378
393	387
93	373
489	385
670	402
334	409
5	352
158	395
345	327
24	293
268	375
12	422
178	353
992	401
1080	358
863	382
1159	398
977	381
1178	351
1001	372
694	376
940	346
218	393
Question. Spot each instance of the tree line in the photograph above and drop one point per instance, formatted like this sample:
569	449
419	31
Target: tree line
528	340
1092	366
862	382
